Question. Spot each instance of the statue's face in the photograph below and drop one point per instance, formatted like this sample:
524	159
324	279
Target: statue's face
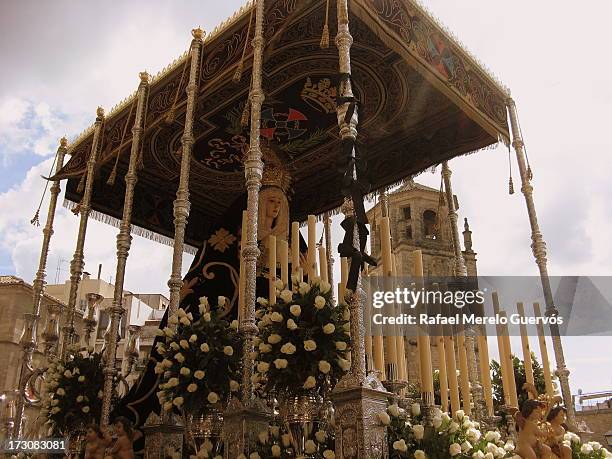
273	205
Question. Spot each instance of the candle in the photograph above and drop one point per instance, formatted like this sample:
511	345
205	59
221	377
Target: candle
485	371
399	336
385	243
241	284
295	248
312	247
451	370
323	263
526	350
423	343
272	267
502	352
442	373
463	369
284	261
510	364
343	271
543	351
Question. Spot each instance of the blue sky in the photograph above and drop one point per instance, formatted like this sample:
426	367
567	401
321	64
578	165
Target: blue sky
64	58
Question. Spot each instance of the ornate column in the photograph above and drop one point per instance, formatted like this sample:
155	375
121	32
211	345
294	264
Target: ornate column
328	248
77	264
358	397
249	414
538	246
38	285
461	271
124	241
181	203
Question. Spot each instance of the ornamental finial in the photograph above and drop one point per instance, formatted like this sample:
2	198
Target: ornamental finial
100	112
63	142
198	33
144	77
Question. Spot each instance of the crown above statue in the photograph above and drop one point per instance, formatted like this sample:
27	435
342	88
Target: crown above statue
277	176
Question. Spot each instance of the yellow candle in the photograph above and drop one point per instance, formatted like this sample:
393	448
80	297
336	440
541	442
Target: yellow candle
295	248
451	373
343	271
510	364
241	284
502	353
312	247
399	337
341	292
423	343
284	261
463	369
272	267
544	352
485	371
526	350
385	243
442	373
323	263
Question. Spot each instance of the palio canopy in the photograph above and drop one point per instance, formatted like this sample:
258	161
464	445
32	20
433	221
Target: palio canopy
422	100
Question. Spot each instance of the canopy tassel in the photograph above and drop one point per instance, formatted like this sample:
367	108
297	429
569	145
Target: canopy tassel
172	110
510	183
240	68
325	35
36	219
81	185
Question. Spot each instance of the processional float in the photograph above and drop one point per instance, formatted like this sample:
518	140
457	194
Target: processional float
396	96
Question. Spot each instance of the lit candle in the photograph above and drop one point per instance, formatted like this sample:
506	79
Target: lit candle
526	350
241	284
323	263
510	364
427	389
485	371
463	370
311	257
284	261
295	248
543	351
272	267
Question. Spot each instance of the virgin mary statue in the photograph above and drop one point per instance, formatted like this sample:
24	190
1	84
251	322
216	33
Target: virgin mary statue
215	272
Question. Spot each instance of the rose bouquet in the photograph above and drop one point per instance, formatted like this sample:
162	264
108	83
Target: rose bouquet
202	360
589	450
457	437
303	343
73	390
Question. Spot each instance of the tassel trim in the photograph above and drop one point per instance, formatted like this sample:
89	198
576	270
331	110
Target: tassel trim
134	229
325	37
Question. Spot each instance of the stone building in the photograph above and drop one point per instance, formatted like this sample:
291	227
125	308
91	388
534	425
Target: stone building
418	217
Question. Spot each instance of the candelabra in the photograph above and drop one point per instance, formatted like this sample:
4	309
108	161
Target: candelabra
51	334
132	349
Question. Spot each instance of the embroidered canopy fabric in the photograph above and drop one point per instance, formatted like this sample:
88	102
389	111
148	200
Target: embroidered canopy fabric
422	100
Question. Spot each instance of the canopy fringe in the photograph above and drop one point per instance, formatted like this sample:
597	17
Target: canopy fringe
134	229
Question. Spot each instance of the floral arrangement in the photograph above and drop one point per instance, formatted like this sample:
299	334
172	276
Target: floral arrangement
73	390
201	363
303	342
589	450
457	437
275	442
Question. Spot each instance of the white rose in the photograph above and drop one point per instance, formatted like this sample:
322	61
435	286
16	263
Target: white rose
288	348
595	445
473	435
184	344
228	350
254	456
55	410
234	325
344	364
263	437
212	397
204	347
509	446
400	445
466	446
340	345
280	363
206	316
295	310
261	300
492	436
291	325
174	346
311	446
329	454
459	414
192	387
324	366
303	288
384	418
453	427
60	392
178	401
419	454
328	329
478	455
173	320
419	431
393	410
310	345
179	358
274	338
81	378
55	402
276	317
263	348
310	382
159	332
234	386
454	449
263	367
319	302
79	399
415	409
221	301
286	296
169	332
193	338
67	374
185	320
275	450
586	449
185	371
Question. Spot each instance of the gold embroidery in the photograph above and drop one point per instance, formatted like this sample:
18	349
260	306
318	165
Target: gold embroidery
221	240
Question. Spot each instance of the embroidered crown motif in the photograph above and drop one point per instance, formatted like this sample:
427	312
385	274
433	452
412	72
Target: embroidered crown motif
320	96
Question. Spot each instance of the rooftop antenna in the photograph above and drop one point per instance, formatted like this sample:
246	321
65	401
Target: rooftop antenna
99	270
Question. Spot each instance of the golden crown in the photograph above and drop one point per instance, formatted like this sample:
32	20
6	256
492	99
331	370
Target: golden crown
320	96
275	175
